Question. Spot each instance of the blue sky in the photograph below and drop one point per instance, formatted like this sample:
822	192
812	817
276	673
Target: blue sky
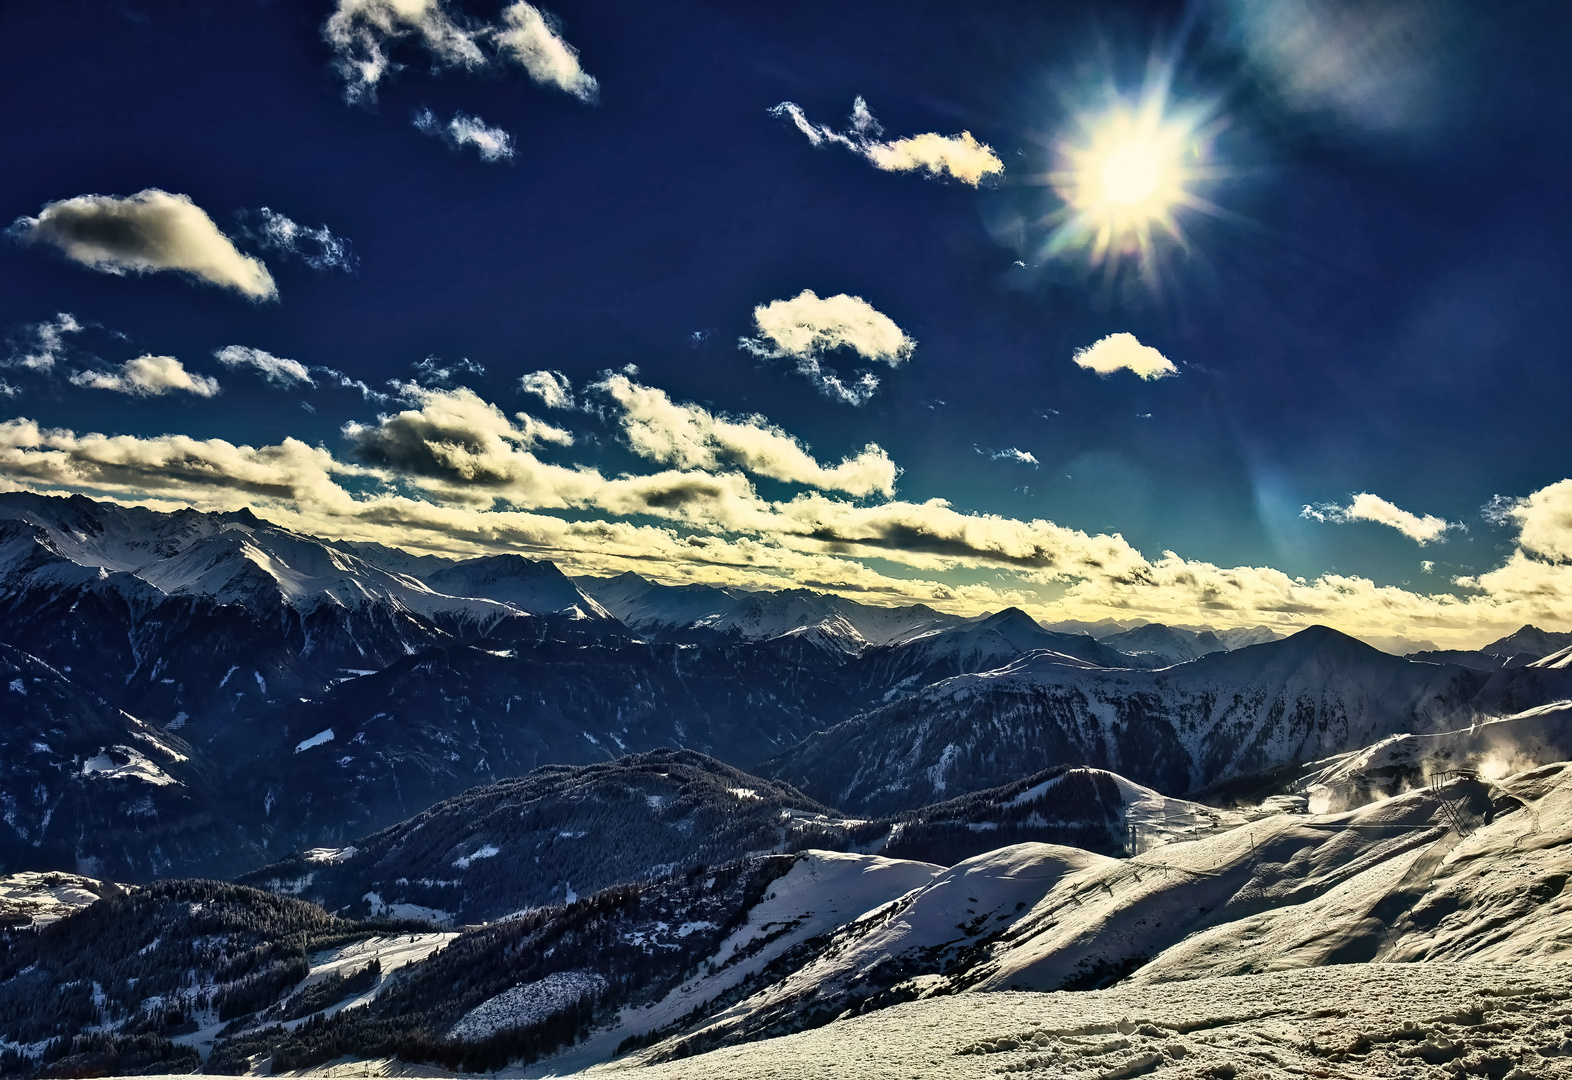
1367	297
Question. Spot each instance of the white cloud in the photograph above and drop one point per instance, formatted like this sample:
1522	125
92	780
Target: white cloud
1122	352
1025	457
318	247
148	376
47	345
1368	507
960	156
531	41
691	437
362	31
552	387
463	130
151	230
807	326
278	370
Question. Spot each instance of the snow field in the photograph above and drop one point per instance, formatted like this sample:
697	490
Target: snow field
1350	1022
530	1003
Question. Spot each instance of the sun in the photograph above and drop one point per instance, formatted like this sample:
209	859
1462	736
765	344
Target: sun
1125	176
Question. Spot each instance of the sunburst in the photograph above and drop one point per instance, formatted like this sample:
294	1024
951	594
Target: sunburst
1126	175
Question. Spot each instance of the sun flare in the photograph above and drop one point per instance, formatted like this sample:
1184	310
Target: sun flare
1126	176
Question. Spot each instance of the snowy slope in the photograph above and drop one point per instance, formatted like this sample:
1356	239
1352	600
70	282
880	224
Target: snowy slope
1348	1022
1494	747
823	891
1465	871
925	931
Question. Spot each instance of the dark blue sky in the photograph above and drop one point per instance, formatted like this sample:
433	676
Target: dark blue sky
1381	307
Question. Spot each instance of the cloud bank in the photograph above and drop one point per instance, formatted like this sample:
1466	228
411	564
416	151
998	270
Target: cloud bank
148	376
959	156
1122	352
362	32
806	326
1368	507
149	231
452	472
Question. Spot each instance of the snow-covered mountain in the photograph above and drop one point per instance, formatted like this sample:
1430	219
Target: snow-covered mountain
531	586
980	644
1177	729
1166	645
702	612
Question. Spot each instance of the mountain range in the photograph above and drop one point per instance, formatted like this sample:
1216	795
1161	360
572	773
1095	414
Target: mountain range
482	813
296	693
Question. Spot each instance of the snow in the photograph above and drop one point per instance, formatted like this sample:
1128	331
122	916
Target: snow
484	852
527	1004
316	740
136	767
44	897
1349	1022
379	907
329	856
978	897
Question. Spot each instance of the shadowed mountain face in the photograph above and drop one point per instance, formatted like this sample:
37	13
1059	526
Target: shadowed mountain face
90	788
1177	729
557	831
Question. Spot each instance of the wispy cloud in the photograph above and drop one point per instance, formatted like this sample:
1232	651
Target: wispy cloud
434	372
959	156
1023	457
278	370
45	345
149	231
691	437
1122	352
148	376
492	143
807	326
1368	507
362	32
318	248
552	387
